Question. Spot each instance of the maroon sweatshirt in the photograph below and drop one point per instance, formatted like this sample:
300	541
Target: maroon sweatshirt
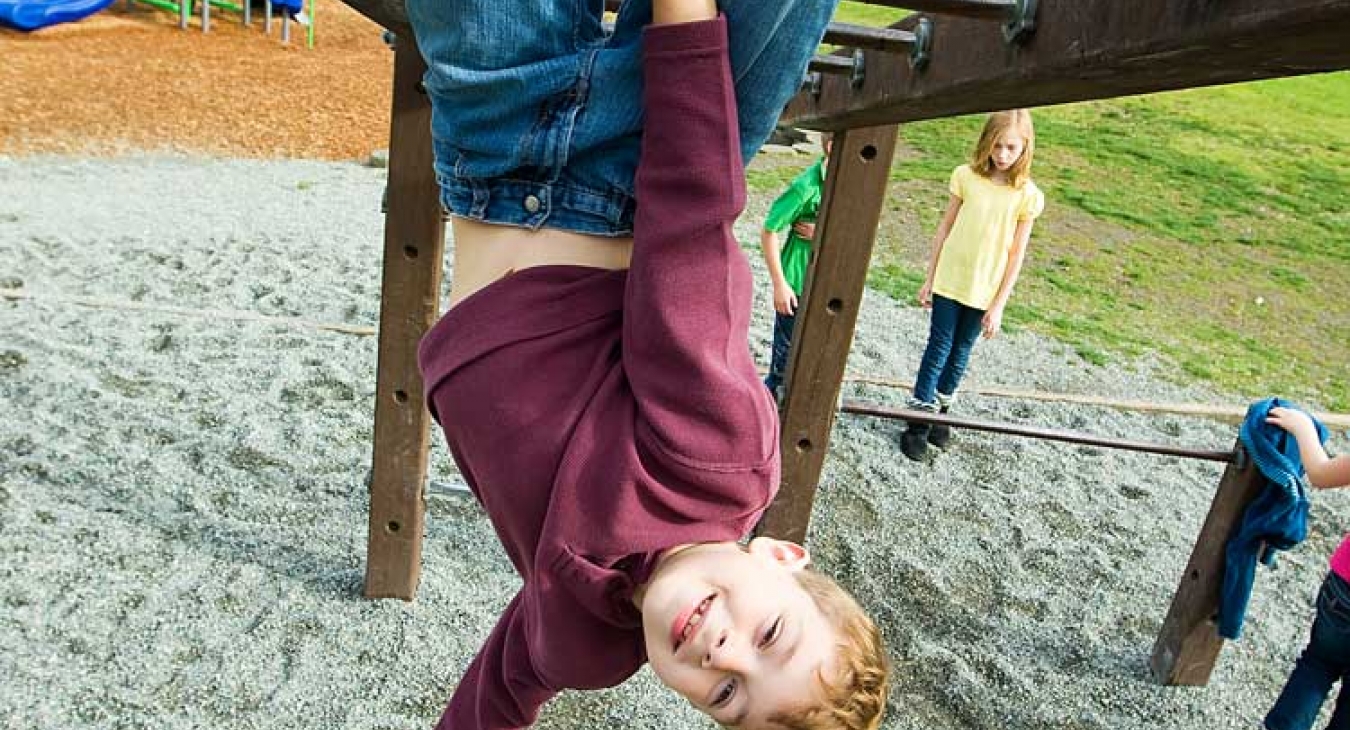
604	416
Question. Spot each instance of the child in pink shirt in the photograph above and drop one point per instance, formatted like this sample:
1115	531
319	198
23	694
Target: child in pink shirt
1327	656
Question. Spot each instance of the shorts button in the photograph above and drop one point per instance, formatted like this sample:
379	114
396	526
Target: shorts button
531	203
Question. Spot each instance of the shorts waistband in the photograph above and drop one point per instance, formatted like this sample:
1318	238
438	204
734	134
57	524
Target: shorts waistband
532	204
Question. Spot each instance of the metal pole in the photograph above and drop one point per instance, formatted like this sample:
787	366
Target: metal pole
1049	434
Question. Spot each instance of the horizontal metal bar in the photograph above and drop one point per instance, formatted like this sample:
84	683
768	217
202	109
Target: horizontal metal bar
891	40
831	64
888	40
1049	434
967	8
1086	49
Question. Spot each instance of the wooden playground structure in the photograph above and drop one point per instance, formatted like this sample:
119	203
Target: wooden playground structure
950	57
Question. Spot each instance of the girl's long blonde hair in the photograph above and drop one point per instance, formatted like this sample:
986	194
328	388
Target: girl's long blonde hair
1017	121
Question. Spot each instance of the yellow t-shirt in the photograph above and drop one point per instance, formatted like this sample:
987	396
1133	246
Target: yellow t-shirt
975	255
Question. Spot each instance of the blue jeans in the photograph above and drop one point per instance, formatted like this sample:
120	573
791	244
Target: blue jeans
782	345
951	336
537	112
1325	660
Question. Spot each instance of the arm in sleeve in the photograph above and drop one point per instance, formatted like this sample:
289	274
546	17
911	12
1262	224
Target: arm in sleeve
786	209
688	299
501	689
1033	204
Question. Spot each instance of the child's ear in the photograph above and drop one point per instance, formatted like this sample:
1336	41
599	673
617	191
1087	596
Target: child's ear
790	555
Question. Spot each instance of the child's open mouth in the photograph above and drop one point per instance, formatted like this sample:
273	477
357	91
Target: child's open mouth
687	623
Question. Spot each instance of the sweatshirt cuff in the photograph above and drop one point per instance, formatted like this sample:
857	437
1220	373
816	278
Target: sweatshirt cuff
681	38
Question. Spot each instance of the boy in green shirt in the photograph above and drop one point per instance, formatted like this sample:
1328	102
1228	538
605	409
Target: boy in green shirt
796	208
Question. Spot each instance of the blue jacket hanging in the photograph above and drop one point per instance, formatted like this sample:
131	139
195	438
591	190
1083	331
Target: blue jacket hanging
1276	520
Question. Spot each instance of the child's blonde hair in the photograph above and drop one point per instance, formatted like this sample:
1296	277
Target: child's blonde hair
856	699
1017	121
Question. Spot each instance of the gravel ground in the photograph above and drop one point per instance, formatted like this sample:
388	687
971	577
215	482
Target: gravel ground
183	517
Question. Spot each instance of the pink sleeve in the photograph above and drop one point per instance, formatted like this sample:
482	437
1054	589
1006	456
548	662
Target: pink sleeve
688	300
500	690
1340	560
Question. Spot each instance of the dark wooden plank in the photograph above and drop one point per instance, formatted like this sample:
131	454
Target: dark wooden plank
855	188
1086	49
1188	644
414	244
1039	432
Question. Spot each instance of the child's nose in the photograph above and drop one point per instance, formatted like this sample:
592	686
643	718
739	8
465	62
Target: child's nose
725	653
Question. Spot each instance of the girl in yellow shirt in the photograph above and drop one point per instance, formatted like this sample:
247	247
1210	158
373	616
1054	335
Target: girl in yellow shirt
977	254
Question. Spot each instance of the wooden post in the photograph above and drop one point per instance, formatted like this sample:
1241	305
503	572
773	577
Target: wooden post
414	244
855	189
1188	644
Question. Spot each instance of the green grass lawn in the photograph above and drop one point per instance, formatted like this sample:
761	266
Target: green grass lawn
873	15
1210	226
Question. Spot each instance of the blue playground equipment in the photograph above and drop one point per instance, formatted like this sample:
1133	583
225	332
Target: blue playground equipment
289	10
29	15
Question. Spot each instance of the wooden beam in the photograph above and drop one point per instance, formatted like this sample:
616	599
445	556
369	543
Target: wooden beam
414	244
855	189
1188	644
1086	49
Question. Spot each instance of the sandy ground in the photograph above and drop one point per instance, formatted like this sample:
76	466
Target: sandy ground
129	79
183	512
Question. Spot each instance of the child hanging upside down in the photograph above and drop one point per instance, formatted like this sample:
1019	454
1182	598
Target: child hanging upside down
596	390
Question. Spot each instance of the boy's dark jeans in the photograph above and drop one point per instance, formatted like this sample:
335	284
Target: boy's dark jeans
951	336
1325	660
782	344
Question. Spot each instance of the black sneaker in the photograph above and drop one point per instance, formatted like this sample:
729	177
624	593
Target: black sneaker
914	441
941	434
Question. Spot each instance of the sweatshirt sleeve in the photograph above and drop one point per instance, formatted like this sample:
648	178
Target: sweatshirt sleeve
688	298
501	689
786	209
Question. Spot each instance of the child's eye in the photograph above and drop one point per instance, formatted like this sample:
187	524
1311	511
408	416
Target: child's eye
772	634
725	694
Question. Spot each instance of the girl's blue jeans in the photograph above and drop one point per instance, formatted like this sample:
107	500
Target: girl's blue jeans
951	336
536	109
1325	660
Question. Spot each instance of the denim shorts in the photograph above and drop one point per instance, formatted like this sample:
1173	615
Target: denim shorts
537	109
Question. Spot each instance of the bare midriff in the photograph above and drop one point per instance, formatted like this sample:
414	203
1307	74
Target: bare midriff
485	253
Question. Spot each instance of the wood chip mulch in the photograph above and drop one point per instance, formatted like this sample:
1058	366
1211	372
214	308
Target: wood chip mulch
130	79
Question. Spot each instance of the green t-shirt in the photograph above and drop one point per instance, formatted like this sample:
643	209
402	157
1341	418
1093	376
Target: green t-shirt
800	202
